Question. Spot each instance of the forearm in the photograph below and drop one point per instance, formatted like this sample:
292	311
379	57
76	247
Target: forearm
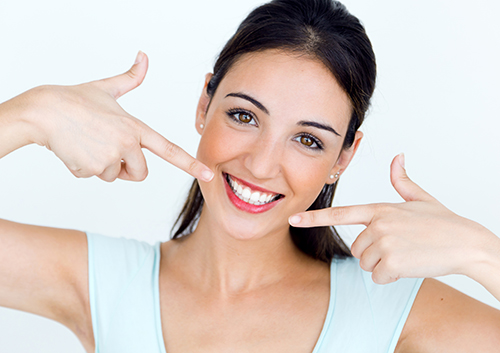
485	268
16	129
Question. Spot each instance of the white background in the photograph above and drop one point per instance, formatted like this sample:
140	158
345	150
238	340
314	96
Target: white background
436	100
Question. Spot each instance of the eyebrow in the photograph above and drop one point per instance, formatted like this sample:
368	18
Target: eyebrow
318	125
251	100
264	109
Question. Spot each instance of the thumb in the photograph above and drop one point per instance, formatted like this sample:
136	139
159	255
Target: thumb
118	85
405	187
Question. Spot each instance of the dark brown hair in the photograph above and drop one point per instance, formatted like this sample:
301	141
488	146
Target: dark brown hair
323	30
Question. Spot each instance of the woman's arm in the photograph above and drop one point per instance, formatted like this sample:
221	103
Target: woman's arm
443	319
422	238
418	238
15	128
44	270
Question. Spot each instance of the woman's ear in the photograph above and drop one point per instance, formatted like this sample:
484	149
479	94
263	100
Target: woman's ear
344	159
201	110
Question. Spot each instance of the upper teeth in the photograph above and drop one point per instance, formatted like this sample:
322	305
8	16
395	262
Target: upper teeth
246	194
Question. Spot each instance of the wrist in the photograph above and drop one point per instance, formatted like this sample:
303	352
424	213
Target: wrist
33	114
14	128
485	257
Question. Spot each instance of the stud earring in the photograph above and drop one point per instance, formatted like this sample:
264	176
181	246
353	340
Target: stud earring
201	126
335	176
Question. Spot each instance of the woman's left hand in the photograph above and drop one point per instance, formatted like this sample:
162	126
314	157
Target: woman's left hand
416	238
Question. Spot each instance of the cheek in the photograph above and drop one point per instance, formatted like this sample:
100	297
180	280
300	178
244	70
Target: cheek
216	144
309	177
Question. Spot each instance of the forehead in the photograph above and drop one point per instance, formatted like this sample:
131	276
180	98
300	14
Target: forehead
289	84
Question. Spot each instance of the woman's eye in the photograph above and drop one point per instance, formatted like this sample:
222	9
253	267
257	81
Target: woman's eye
244	118
310	142
241	117
306	141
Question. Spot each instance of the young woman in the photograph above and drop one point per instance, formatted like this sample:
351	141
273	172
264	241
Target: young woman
278	120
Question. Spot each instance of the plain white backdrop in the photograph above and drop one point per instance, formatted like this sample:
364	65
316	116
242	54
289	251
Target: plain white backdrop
436	100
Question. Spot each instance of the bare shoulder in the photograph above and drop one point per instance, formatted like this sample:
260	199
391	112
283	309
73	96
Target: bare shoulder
444	319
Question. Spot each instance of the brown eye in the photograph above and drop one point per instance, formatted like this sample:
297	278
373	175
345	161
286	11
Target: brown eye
244	118
309	141
306	141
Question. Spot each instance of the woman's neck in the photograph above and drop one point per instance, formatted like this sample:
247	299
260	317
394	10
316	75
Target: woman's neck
220	263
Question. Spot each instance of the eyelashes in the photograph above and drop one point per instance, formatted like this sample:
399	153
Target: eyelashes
241	116
309	141
245	117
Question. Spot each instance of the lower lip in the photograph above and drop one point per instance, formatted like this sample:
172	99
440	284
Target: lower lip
245	206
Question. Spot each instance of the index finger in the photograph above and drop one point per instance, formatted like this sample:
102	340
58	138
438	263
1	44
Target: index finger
175	155
332	216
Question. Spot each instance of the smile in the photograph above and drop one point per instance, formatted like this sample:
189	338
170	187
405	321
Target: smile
250	198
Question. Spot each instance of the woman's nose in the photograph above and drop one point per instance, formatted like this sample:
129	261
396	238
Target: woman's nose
264	159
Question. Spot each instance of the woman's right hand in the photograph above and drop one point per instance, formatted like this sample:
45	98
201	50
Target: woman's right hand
92	134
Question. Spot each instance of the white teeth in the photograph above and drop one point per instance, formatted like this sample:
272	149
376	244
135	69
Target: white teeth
255	197
246	194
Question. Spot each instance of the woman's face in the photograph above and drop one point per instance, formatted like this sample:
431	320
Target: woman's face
273	135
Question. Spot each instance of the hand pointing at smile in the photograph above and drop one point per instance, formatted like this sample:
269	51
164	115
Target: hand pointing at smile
90	132
417	238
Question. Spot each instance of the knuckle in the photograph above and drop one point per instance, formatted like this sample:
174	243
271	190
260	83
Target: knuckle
355	251
310	217
107	178
112	154
75	173
363	264
142	175
129	142
377	277
96	169
192	165
131	74
382	208
170	150
390	265
337	212
379	227
386	244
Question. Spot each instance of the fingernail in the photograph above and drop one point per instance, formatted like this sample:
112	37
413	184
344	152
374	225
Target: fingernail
138	58
207	175
402	160
294	220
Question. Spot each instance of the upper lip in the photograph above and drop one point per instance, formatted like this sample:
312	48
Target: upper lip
252	186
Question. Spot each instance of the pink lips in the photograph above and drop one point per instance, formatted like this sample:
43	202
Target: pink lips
245	206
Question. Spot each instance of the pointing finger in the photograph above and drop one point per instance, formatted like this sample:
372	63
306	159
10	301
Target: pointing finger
361	214
172	153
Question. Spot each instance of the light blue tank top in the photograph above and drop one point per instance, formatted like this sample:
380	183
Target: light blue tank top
124	300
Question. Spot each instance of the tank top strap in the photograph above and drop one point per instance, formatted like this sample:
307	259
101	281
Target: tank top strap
122	277
367	317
